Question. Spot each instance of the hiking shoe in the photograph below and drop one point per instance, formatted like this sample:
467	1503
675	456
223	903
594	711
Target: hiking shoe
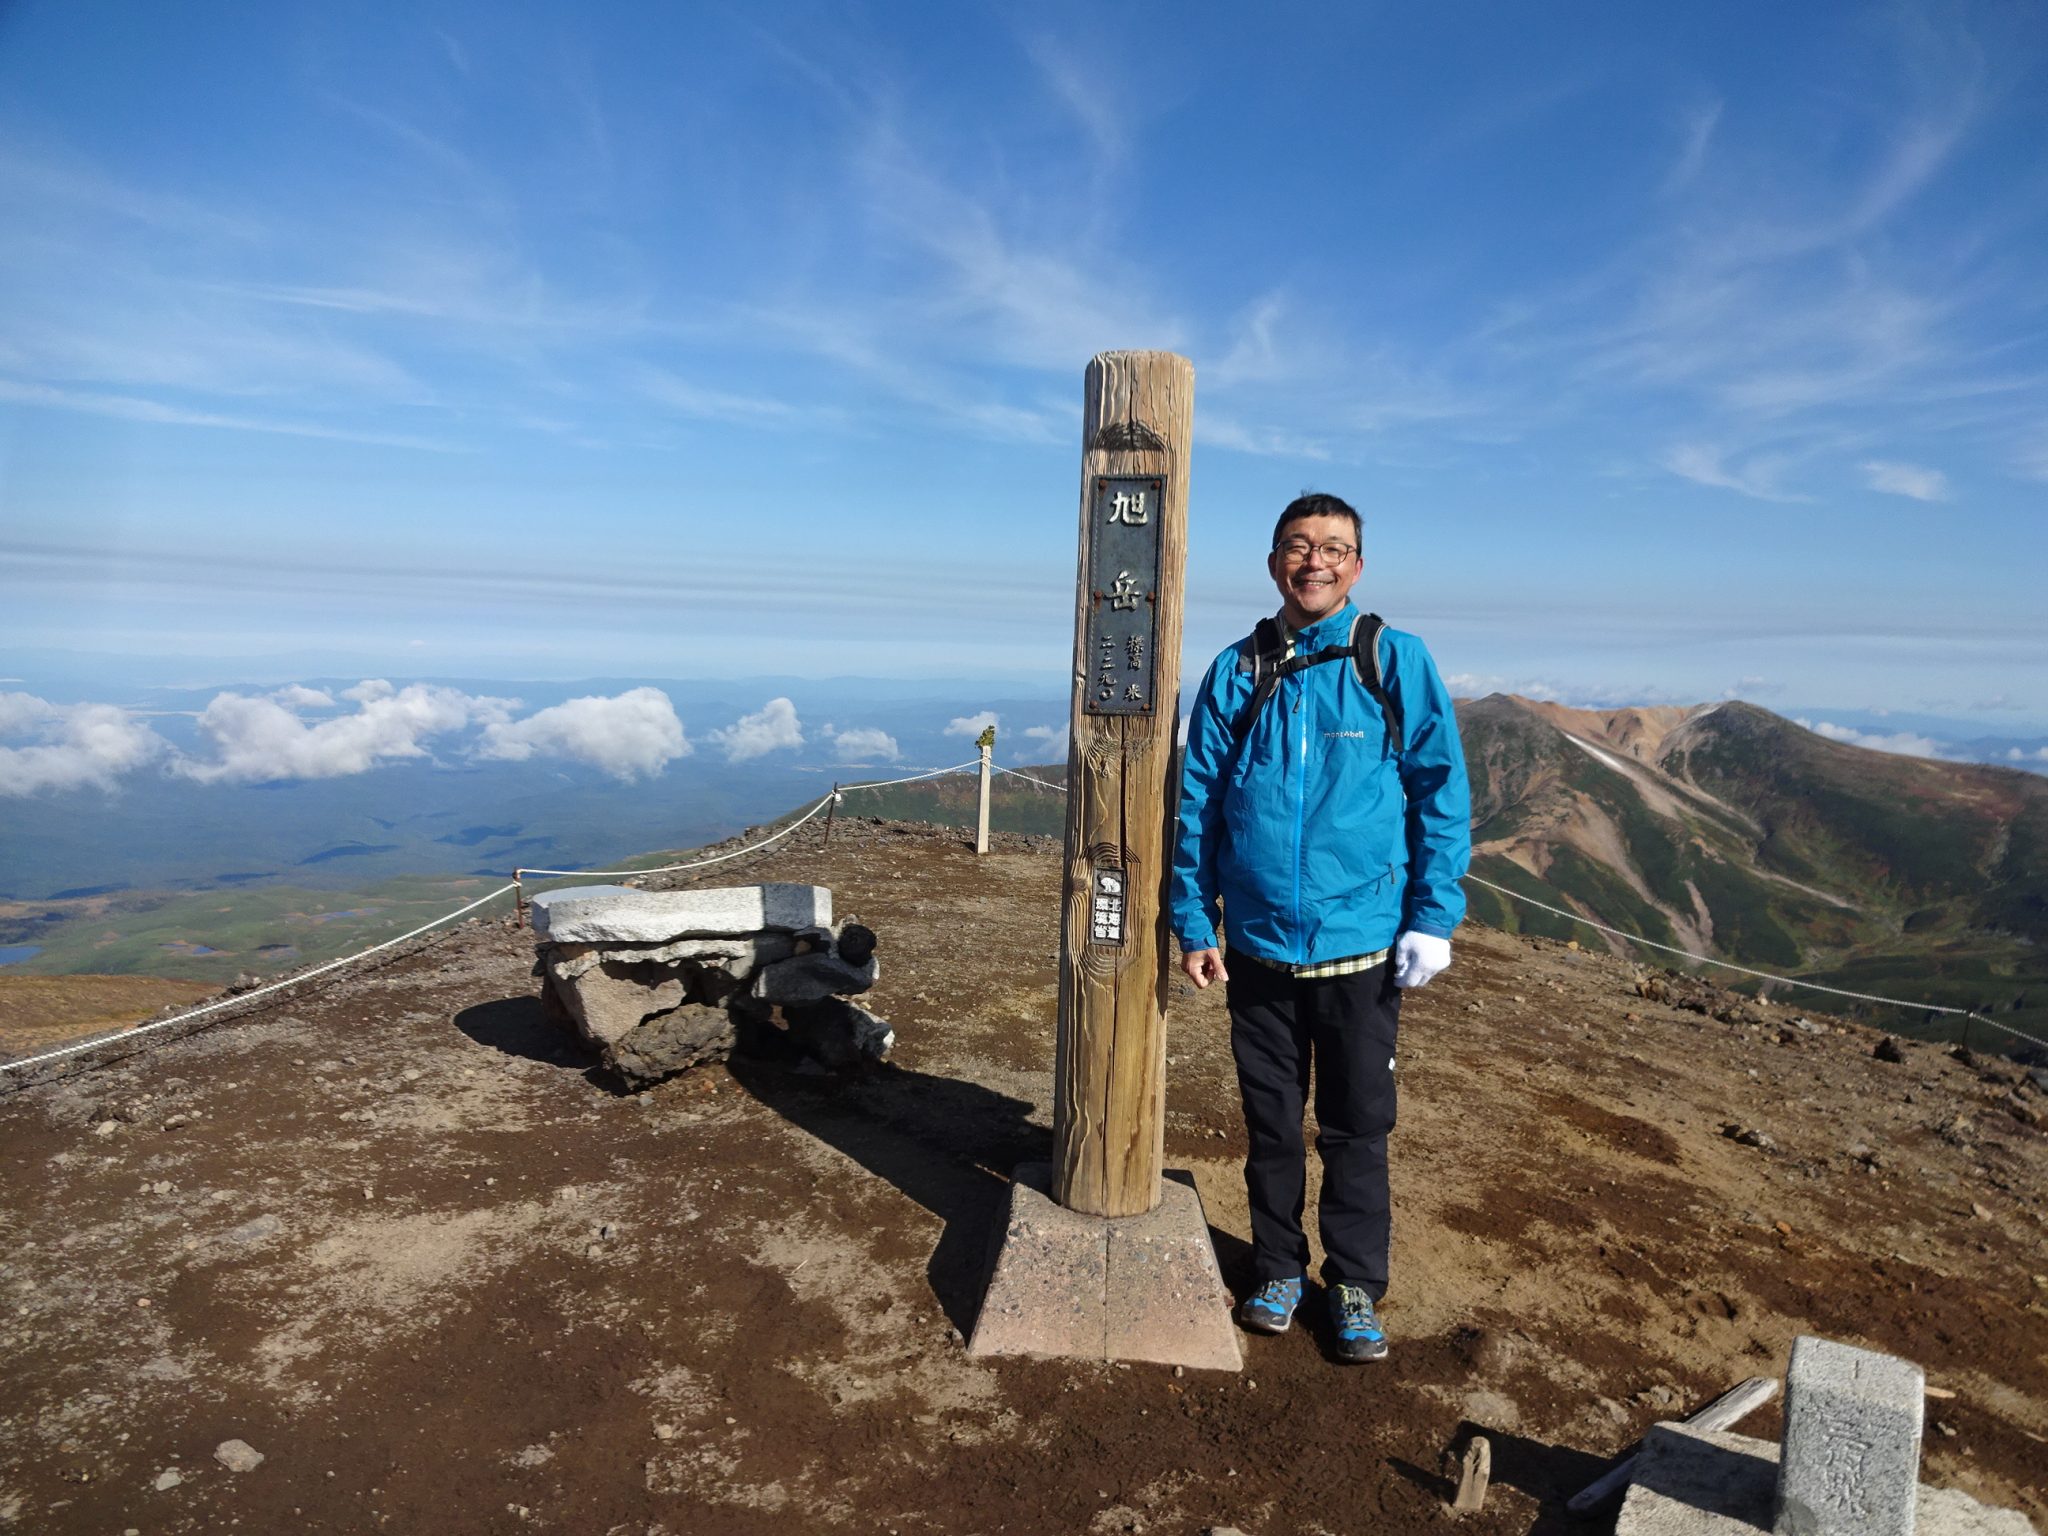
1270	1308
1359	1335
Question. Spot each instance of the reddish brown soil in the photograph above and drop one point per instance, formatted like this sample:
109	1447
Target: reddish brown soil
500	1296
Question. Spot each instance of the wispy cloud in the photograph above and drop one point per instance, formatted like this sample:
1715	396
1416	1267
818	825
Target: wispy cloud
706	404
132	408
1098	101
1696	134
1759	476
1910	480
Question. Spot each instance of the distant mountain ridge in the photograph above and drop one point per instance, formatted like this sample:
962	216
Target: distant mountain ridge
1727	830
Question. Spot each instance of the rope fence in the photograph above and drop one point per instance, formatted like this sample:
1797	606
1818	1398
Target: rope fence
240	998
837	794
515	886
1790	981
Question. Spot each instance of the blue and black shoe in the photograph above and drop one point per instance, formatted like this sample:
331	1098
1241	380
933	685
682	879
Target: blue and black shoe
1357	1322
1270	1309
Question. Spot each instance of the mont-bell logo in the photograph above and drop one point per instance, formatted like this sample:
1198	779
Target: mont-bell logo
1343	735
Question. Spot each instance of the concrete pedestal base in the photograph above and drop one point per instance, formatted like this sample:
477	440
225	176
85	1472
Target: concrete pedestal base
1107	1288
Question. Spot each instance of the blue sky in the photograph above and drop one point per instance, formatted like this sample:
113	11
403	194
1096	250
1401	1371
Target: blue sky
1671	353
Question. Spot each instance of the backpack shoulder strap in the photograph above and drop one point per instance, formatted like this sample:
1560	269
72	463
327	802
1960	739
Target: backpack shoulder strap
1269	648
1365	658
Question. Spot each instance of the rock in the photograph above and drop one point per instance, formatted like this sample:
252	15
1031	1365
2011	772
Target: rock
168	1479
671	1042
238	1456
618	915
837	1034
611	1000
106	1128
1955	1129
1849	1408
1749	1136
738	955
255	1231
813	978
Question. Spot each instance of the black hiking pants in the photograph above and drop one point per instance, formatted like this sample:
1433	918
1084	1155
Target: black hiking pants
1340	1030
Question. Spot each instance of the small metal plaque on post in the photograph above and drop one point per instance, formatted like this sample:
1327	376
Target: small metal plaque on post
1106	908
1123	595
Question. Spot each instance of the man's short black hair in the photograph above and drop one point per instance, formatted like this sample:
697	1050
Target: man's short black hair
1319	504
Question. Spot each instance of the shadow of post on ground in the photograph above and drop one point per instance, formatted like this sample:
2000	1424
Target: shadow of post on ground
946	1143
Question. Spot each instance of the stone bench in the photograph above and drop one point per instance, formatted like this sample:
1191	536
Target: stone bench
660	981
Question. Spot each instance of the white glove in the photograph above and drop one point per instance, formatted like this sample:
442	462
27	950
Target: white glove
1419	956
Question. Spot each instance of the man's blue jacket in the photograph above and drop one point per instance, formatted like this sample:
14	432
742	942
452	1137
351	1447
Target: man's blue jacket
1321	841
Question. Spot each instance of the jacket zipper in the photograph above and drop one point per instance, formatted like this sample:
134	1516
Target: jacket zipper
1300	810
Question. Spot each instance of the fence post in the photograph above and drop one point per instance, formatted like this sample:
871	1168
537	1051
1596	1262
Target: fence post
831	811
987	742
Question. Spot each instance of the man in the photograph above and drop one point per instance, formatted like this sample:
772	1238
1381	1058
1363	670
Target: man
1335	830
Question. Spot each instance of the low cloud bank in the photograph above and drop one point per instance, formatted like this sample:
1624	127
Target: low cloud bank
296	732
69	746
864	744
1052	740
632	736
770	728
261	740
972	725
1904	743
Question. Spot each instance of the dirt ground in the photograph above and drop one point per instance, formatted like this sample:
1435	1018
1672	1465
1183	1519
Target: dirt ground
40	1011
400	1237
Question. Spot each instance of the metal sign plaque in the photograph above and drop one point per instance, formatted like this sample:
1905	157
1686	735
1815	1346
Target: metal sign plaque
1123	594
1106	907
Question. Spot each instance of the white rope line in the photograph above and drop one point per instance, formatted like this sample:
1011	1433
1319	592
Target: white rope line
250	996
1013	773
972	762
662	869
1790	981
773	837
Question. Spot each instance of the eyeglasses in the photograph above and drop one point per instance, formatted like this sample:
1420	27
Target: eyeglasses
1294	551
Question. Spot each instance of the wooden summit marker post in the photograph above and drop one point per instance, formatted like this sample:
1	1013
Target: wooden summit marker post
1105	1258
1110	1071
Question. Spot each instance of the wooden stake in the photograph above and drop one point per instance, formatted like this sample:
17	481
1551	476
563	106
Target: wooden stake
1109	1098
1477	1472
831	811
